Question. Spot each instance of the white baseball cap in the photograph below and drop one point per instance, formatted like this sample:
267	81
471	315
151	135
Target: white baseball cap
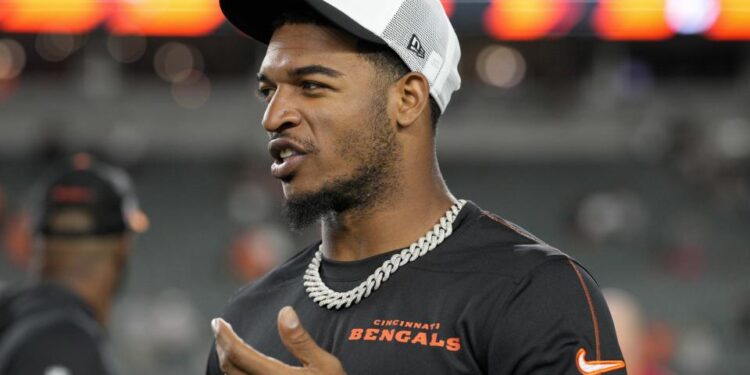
417	30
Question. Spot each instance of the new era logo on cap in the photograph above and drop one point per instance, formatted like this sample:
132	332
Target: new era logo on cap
415	45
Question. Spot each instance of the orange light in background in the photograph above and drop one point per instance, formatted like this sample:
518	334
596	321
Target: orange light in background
19	239
166	17
50	16
632	20
252	254
733	22
449	6
530	19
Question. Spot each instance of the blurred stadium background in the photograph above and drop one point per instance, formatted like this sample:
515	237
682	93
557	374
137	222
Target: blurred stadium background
617	130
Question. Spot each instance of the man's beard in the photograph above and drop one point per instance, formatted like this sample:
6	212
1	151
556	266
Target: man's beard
376	175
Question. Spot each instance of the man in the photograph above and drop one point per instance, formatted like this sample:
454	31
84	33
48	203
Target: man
55	326
407	279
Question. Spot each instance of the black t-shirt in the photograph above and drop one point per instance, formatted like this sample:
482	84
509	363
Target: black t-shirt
491	299
45	329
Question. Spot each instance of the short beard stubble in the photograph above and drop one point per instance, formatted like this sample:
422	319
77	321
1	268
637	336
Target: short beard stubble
377	174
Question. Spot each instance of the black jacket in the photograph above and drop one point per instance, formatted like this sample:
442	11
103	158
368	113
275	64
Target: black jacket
45	328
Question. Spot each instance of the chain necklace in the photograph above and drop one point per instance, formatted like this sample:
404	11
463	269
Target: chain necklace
324	296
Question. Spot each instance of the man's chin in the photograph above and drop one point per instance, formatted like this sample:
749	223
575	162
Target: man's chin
313	197
303	209
294	192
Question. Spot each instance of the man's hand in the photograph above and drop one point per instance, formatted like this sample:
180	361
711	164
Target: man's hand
237	357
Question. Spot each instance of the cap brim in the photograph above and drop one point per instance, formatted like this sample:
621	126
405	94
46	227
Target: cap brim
256	18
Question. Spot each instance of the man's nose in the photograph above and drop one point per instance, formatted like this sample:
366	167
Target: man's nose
281	113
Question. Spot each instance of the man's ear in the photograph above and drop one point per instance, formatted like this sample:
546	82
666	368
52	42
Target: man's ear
413	94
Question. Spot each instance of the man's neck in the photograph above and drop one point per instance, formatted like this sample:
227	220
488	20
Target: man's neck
96	295
352	236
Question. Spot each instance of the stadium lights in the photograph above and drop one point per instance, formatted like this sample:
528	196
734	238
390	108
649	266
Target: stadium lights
166	17
503	19
530	19
122	17
50	16
733	22
632	20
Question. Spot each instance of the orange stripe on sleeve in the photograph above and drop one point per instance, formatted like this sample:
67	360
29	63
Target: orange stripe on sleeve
594	320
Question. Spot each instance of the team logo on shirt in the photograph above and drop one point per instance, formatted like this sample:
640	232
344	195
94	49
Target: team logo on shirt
405	332
595	367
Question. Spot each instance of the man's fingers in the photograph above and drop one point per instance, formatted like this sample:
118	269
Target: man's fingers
302	346
295	337
234	353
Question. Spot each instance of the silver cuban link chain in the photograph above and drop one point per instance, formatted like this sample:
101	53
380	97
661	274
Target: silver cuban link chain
324	296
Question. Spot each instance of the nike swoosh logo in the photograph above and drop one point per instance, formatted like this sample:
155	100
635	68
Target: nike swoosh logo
595	367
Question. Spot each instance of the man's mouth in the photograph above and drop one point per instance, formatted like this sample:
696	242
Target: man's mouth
285	153
285	167
287	157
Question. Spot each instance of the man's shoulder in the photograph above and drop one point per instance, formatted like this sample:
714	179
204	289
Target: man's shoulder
51	342
60	332
285	274
40	330
42	305
488	243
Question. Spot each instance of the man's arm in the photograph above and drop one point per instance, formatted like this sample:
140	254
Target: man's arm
56	349
556	322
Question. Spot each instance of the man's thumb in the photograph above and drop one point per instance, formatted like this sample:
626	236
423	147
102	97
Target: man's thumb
297	340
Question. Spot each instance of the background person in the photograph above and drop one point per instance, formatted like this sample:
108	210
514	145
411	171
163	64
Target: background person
56	325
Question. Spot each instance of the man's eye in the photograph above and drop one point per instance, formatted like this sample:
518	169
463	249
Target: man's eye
307	85
266	92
